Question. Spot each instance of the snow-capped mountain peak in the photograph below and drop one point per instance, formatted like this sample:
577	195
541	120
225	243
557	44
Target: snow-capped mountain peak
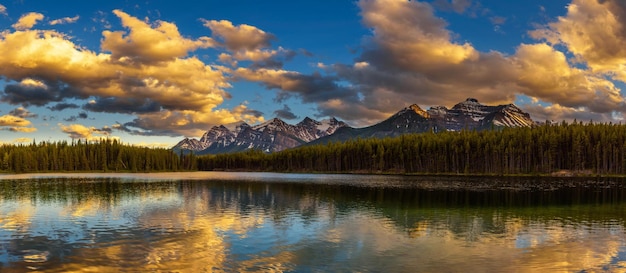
276	135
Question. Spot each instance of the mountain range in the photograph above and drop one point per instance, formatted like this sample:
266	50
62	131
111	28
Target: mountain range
277	135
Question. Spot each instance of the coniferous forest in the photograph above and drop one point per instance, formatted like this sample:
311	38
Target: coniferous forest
592	149
102	156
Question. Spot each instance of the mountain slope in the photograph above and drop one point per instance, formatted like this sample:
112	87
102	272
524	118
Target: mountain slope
277	135
466	115
271	136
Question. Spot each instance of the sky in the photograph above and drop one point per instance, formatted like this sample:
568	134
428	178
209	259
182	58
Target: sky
153	72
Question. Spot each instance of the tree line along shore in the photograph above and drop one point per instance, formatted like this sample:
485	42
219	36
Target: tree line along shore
550	149
561	149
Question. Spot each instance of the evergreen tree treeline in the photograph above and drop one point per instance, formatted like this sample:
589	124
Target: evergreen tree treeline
101	156
587	148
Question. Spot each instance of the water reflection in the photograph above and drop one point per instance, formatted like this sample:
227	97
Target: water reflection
274	222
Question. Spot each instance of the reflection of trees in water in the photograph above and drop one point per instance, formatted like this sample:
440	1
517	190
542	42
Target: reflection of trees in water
185	224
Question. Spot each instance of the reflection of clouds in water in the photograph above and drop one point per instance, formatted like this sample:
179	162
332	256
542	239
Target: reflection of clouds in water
368	242
188	237
197	226
16	216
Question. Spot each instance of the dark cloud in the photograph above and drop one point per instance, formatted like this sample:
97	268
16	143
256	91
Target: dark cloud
458	6
22	113
62	106
38	95
122	105
81	115
138	127
285	113
312	88
252	112
275	60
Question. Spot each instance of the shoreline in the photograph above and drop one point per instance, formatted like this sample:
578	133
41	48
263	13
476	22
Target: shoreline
557	174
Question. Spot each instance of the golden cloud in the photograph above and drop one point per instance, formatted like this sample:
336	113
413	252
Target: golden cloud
147	65
412	35
9	120
23	129
595	32
78	131
22	140
548	76
3	10
239	38
27	21
149	44
412	57
187	122
64	20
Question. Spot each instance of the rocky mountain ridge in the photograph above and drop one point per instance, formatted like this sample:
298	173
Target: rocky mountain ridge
276	135
270	136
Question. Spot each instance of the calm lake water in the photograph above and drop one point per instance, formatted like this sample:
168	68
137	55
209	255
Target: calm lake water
260	222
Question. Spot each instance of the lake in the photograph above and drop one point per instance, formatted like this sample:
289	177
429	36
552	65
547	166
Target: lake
260	222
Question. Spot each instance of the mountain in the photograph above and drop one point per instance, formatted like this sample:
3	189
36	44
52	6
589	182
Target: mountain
466	115
277	135
271	136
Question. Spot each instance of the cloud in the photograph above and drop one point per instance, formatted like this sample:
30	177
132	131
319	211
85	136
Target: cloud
458	6
3	10
81	115
27	21
62	106
64	20
247	43
595	32
79	131
556	112
239	38
146	44
22	140
411	57
285	113
146	71
22	113
187	123
34	92
9	120
15	124
546	74
122	105
23	129
497	20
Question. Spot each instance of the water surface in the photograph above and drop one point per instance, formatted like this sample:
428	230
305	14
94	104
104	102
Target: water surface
259	222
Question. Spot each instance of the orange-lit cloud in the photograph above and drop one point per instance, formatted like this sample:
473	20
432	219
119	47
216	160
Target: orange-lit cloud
16	124
3	10
9	120
27	21
239	38
144	72
247	43
595	32
412	57
78	131
145	43
149	69
548	76
64	20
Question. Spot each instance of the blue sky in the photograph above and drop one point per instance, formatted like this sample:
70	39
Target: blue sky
152	72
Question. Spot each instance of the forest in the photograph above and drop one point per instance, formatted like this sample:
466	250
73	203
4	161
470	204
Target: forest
84	156
577	148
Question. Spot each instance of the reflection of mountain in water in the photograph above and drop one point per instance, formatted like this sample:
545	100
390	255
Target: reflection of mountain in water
531	196
235	225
